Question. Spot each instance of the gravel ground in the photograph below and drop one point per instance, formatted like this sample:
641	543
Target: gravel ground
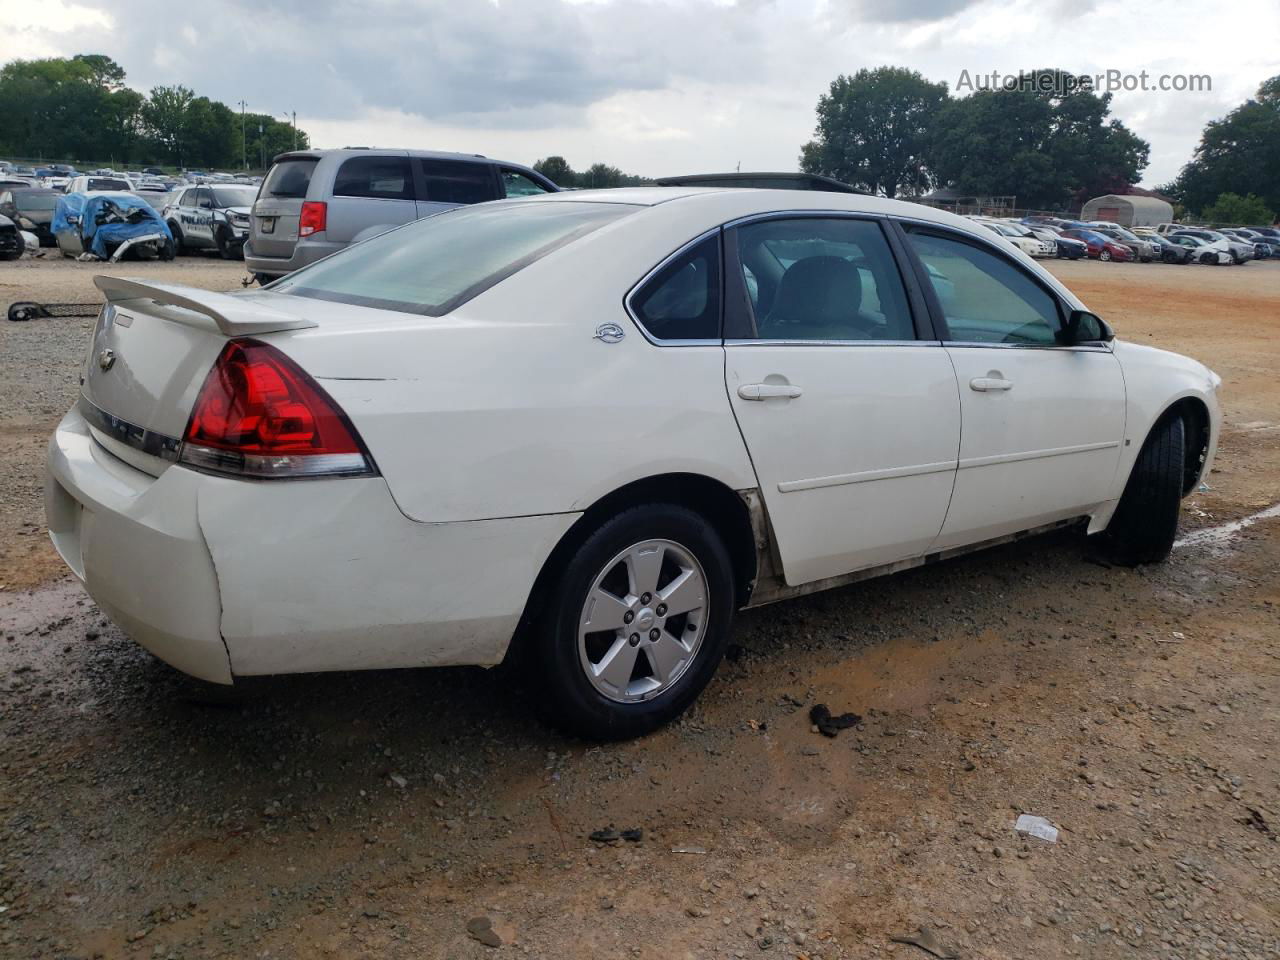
382	815
39	364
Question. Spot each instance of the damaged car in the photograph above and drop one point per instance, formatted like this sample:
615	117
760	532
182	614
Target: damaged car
577	432
212	218
109	226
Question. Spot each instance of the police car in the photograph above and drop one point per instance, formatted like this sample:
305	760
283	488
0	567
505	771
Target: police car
212	217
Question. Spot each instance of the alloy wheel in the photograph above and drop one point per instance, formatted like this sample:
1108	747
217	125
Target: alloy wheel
643	621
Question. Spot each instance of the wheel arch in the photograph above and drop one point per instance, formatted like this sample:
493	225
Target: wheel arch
1195	419
723	507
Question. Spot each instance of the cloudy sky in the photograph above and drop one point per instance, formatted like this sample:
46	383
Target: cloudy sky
654	86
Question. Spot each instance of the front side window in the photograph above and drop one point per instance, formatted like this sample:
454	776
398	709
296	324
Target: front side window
984	297
818	278
380	178
682	300
458	181
517	184
436	264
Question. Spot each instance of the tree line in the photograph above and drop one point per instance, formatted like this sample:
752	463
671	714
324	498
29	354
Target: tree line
598	175
79	109
1048	140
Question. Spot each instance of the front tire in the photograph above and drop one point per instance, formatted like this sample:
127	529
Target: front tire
1104	256
636	624
1146	521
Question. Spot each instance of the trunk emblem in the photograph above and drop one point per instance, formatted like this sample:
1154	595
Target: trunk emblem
609	333
106	359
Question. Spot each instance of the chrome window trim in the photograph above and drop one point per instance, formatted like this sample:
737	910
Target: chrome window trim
811	213
1075	347
130	434
675	255
746	342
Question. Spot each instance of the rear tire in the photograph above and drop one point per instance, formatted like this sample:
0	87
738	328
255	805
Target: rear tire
1146	521
1105	255
661	661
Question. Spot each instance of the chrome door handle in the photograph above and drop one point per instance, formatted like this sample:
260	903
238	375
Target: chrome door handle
767	391
989	384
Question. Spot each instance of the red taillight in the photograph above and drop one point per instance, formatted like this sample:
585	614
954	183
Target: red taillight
312	219
260	415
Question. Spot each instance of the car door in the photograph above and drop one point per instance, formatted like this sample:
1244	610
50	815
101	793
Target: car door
847	404
1042	423
445	183
369	192
197	222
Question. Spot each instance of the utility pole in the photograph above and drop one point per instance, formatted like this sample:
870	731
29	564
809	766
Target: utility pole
293	122
244	140
262	147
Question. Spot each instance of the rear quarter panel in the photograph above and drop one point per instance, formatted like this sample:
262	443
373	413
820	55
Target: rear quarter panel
510	406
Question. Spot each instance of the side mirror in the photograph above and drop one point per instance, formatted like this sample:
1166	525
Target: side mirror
1085	327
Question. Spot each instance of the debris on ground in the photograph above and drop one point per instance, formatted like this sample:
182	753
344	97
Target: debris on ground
1038	827
685	848
24	310
487	932
927	941
1256	820
612	834
828	725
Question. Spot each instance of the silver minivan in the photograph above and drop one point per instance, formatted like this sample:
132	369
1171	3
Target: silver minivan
315	202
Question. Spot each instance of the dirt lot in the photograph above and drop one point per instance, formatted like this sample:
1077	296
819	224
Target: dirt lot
374	815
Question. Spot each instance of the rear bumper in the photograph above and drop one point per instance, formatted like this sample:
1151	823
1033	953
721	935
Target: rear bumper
134	542
223	577
304	252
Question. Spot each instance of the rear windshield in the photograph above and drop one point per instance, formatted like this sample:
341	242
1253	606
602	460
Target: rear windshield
108	183
289	179
434	265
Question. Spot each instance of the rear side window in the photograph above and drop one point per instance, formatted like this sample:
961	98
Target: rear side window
289	179
434	265
383	178
517	184
457	181
682	300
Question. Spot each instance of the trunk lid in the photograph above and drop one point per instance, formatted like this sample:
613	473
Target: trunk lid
152	347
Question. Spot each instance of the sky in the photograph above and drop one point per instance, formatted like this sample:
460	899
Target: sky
656	87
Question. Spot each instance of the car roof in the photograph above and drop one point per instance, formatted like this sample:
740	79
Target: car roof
706	206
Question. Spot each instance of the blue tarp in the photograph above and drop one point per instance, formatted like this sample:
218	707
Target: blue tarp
102	240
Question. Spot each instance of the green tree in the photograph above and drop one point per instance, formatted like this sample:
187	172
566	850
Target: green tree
103	71
874	131
600	175
211	134
1238	154
1044	140
1231	208
557	170
267	137
164	117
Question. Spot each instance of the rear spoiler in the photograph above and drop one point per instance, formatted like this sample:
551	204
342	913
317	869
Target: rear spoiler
234	316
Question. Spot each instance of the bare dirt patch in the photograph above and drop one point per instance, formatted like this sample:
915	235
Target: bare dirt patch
374	815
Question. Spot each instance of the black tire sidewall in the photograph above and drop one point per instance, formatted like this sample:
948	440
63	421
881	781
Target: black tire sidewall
1145	523
575	704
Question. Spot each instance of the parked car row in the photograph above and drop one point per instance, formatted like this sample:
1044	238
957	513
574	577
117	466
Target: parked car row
1167	243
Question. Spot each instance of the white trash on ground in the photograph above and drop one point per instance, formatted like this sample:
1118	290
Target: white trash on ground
1036	827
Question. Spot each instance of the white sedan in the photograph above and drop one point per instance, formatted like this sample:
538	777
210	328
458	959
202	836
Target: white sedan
586	428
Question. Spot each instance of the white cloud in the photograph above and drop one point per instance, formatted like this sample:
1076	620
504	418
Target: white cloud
652	86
